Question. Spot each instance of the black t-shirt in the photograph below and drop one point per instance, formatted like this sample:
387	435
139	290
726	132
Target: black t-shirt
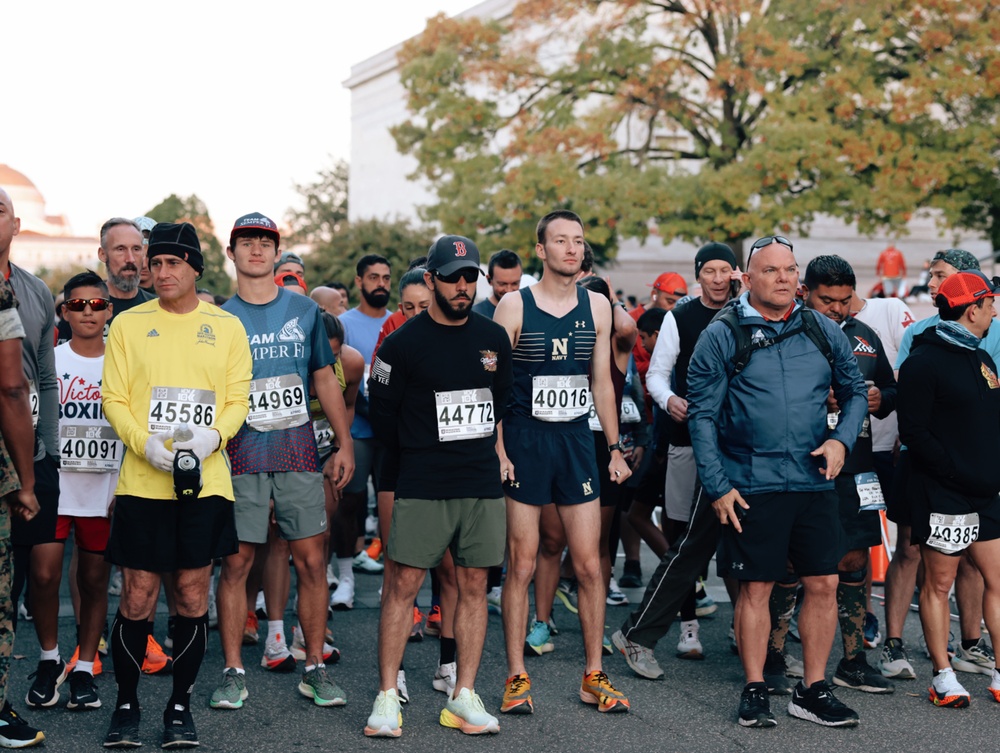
692	318
427	387
118	305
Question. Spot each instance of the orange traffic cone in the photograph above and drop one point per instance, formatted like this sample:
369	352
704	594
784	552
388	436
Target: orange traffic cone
880	554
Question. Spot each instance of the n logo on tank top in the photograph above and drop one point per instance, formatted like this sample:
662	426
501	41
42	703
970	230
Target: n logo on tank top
560	348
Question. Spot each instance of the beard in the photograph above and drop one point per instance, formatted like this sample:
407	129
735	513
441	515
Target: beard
123	282
451	311
378	298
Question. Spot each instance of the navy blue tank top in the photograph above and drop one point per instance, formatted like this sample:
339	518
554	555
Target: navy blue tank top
552	362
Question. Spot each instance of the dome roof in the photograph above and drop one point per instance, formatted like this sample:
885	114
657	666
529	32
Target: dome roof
9	177
29	205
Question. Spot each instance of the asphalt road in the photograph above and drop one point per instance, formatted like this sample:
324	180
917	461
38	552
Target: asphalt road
693	710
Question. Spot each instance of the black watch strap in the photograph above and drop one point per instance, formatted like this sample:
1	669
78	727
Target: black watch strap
615	446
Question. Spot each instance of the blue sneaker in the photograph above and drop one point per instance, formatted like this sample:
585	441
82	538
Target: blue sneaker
872	635
539	639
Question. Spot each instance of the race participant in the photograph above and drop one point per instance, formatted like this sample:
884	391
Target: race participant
504	276
145	225
559	333
949	393
171	364
274	457
17	478
361	327
782	506
289	262
667	380
438	425
292	282
328	299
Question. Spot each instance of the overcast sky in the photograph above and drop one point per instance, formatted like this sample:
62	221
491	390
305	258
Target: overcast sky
110	106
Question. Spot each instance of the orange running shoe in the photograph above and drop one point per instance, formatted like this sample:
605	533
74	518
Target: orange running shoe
517	695
71	665
433	626
156	662
598	690
417	632
375	549
250	636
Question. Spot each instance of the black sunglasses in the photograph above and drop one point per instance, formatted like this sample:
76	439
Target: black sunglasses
767	240
469	274
79	304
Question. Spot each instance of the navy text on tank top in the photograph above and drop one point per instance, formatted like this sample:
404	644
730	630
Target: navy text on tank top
552	362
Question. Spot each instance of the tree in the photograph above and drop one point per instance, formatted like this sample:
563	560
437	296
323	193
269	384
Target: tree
325	213
192	209
715	119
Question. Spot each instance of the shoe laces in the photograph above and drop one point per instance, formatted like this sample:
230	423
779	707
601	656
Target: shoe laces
518	683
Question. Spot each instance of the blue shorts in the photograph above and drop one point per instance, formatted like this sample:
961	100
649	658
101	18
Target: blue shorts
552	463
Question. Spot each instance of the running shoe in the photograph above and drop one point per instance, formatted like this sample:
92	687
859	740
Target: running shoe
493	600
539	640
82	692
251	634
755	707
979	658
123	731
776	674
794	667
24	612
102	647
433	626
232	692
386	719
332	581
401	691
566	591
316	684
893	661
417	631
639	658
277	657
71	664
818	704
44	691
858	674
732	641
178	728
343	596
517	695
946	690
466	713
553	630
596	689
156	661
115	583
364	564
615	597
606	648
331	654
444	678
631	575
704	605
689	647
374	550
872	634
260	606
15	732
213	613
371	526
994	687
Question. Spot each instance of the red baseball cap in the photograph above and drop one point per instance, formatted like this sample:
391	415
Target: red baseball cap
289	278
966	287
671	283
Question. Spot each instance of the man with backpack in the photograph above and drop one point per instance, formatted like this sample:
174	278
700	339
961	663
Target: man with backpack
757	413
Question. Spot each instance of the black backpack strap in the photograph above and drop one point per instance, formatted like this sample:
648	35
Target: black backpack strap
745	347
815	333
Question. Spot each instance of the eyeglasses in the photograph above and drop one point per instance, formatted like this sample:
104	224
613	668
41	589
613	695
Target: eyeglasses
79	304
767	240
469	274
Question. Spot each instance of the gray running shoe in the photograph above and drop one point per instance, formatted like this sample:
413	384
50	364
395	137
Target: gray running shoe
856	673
231	693
893	661
979	658
316	684
639	658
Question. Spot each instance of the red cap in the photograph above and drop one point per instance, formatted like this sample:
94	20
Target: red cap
966	287
671	283
282	279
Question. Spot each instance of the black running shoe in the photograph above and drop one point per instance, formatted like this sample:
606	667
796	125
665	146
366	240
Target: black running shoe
774	674
123	732
856	673
178	728
755	707
82	692
15	732
44	691
817	703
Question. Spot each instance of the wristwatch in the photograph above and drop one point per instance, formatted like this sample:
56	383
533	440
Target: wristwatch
615	446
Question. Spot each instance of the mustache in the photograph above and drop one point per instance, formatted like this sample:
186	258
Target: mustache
129	267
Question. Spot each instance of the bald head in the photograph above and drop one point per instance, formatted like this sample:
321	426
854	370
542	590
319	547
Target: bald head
9	225
328	299
772	278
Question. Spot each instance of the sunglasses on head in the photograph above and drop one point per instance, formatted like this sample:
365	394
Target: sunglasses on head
79	304
469	274
767	240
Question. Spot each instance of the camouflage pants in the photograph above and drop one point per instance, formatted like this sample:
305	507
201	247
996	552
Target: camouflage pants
6	605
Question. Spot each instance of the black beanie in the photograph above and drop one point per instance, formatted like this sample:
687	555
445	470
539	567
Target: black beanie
179	239
711	252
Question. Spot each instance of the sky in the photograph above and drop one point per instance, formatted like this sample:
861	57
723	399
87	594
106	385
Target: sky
110	106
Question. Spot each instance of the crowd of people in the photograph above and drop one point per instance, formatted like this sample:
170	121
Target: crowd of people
205	447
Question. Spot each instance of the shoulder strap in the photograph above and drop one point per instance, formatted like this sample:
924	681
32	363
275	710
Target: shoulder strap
745	347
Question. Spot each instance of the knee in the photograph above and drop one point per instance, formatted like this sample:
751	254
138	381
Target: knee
821	587
520	568
588	569
236	567
552	546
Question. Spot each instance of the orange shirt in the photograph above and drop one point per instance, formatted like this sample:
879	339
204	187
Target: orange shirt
891	263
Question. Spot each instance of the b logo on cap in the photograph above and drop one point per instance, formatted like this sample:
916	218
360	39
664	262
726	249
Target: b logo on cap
460	248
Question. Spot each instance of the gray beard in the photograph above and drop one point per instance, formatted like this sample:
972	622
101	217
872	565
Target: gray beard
123	283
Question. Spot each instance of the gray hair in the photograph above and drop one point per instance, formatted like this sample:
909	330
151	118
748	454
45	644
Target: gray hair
115	222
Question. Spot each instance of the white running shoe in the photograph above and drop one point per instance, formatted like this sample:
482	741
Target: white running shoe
689	647
343	597
444	678
404	694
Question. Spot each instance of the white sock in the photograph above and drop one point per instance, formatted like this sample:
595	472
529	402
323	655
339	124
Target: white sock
85	666
239	670
275	631
52	655
346	569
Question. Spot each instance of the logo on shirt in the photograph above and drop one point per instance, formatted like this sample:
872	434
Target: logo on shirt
863	348
152	333
292	332
579	325
757	336
989	376
907	319
205	335
381	371
488	360
560	348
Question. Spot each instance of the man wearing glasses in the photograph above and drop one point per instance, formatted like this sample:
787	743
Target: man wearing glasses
767	459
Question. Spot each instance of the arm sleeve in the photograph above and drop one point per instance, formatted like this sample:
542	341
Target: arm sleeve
662	361
238	375
848	387
917	387
708	383
385	395
115	393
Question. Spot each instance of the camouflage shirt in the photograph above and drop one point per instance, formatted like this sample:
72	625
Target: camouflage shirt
10	328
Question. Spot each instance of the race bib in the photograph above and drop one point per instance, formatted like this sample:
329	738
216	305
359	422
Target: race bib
869	491
277	403
953	533
33	400
560	398
464	414
324	435
89	449
629	414
172	406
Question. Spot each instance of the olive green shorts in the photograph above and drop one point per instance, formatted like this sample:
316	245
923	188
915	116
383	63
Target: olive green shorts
475	530
299	505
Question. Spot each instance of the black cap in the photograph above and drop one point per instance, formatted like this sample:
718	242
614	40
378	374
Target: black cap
179	239
451	253
711	252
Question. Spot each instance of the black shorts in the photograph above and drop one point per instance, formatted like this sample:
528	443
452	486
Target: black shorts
928	497
552	463
862	528
897	506
164	535
803	527
42	528
612	495
649	479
